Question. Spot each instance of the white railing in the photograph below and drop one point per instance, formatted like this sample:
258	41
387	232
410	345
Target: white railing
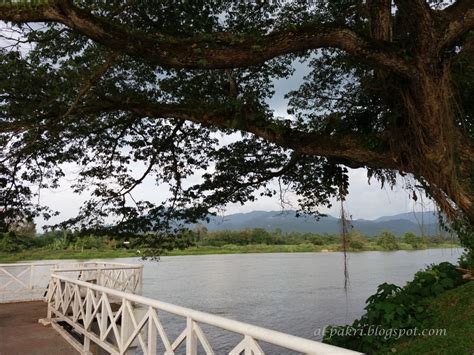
24	282
122	277
29	281
117	321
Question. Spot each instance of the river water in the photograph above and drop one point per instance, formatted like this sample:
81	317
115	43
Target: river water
296	293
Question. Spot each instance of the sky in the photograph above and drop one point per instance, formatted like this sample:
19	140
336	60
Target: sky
365	201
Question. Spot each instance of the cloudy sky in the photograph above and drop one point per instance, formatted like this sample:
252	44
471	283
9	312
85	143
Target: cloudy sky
367	201
364	200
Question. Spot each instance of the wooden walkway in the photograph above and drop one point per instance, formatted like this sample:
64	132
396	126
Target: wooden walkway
21	334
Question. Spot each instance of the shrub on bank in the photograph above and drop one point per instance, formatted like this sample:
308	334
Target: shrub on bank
11	242
387	241
394	307
466	261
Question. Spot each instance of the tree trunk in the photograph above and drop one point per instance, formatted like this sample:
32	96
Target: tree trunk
431	146
429	143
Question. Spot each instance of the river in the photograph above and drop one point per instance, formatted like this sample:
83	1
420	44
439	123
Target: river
296	293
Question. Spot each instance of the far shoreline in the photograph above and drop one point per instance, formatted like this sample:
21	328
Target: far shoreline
42	254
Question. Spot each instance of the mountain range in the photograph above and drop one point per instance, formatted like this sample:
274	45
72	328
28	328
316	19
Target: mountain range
420	223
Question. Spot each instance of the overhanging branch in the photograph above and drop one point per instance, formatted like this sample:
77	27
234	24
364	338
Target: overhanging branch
350	147
212	50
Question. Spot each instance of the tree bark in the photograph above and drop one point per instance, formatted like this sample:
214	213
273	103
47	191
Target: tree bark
431	146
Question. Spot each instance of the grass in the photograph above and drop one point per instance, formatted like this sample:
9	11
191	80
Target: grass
453	311
296	248
45	254
251	248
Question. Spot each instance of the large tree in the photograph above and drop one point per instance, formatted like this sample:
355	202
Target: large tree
107	84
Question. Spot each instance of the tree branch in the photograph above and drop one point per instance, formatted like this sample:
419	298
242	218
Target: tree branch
92	80
212	50
460	21
153	160
418	15
237	186
350	147
380	19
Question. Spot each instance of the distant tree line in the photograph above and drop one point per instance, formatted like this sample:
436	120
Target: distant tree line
57	240
386	240
26	239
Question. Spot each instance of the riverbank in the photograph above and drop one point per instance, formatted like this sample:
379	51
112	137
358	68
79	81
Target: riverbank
42	254
47	254
453	312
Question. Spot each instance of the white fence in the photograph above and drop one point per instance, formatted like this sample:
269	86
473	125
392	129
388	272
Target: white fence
29	281
122	277
109	318
24	282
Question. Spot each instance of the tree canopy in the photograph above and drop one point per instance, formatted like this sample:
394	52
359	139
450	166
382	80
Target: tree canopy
109	85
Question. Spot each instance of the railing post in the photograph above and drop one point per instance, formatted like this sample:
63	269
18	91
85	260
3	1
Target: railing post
126	328
87	345
140	280
31	276
88	313
152	334
103	318
191	340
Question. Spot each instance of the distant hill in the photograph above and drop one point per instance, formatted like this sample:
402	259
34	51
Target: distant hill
429	217
417	222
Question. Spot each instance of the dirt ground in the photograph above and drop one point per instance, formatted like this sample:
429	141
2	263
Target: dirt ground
21	334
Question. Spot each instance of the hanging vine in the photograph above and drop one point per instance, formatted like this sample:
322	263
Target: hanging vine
346	225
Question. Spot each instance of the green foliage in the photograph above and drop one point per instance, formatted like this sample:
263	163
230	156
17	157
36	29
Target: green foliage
90	242
12	242
9	243
434	280
357	241
155	244
466	260
114	125
394	307
465	232
58	244
453	313
244	237
197	241
60	62
60	240
387	241
412	239
355	244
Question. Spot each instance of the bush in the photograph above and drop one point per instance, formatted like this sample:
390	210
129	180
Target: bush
434	280
394	307
412	240
466	260
387	241
90	242
355	244
10	243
